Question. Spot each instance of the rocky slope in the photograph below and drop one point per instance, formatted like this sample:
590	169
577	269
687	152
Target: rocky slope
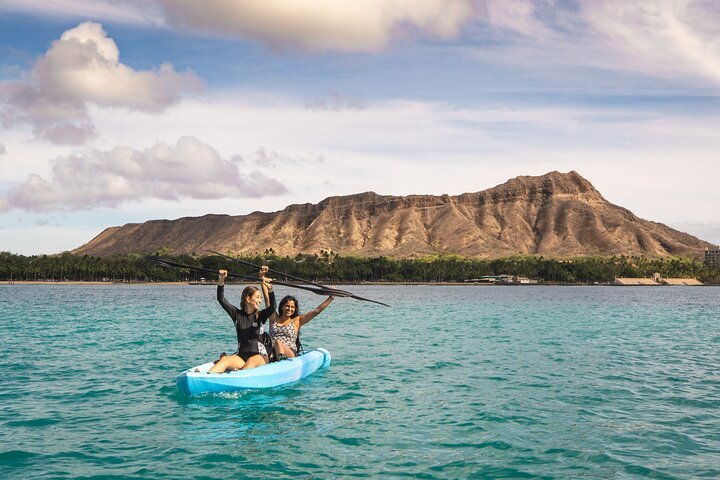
557	214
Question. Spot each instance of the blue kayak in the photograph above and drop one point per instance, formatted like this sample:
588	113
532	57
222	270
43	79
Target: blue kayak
192	382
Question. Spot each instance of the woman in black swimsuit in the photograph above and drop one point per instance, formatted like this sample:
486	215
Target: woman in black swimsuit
248	320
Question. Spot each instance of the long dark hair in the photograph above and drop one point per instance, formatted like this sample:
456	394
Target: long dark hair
247	292
288	298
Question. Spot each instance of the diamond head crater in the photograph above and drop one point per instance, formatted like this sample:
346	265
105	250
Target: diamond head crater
556	215
555	227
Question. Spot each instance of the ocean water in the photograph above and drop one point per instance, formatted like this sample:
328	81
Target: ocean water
452	382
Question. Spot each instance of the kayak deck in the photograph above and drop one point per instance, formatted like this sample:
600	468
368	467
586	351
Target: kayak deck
192	382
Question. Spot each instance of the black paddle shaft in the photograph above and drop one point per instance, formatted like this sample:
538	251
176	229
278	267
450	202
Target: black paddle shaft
335	291
276	272
167	263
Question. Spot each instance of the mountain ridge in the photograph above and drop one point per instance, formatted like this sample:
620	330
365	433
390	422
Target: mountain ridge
556	214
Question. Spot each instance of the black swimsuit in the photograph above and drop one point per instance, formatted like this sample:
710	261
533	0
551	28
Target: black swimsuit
249	328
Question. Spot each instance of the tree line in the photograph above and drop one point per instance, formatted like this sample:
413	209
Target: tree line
328	267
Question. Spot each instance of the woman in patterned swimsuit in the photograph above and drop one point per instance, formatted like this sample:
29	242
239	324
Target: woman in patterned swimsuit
285	325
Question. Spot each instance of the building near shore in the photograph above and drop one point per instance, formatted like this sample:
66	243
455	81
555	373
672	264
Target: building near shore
682	281
712	256
657	280
503	279
627	281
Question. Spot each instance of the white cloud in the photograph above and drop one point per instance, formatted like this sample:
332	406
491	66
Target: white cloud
664	38
518	15
2	149
83	68
93	179
84	65
271	158
320	25
630	154
127	11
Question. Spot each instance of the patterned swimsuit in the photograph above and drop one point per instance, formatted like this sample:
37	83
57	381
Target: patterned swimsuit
285	334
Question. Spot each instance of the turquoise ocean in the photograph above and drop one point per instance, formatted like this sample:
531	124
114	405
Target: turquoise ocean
451	382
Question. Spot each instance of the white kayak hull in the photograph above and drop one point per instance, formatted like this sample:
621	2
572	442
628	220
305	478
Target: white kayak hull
192	382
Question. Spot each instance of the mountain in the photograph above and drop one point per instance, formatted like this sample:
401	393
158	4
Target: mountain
556	215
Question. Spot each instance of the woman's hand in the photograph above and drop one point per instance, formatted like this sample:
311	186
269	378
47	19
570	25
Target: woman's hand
265	280
222	275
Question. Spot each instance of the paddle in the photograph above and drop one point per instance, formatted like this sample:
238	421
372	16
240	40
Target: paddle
337	293
164	262
275	272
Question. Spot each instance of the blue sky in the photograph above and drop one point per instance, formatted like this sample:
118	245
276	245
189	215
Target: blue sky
125	112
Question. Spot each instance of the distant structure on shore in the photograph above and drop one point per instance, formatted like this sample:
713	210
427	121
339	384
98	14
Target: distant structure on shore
503	279
712	256
657	280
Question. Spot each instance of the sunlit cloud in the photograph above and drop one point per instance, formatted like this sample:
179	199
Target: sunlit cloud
83	68
314	25
666	38
190	169
321	25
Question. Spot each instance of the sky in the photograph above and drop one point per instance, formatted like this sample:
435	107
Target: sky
123	112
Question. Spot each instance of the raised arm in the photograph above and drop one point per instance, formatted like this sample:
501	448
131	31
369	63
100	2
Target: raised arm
265	285
310	315
268	296
227	306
